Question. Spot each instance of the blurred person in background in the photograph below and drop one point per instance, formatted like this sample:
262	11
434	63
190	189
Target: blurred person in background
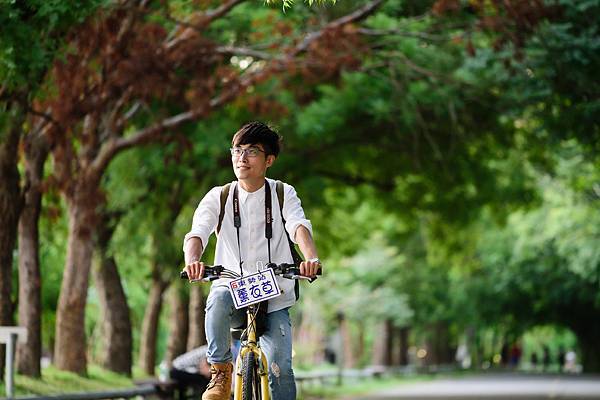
515	355
191	369
546	358
571	361
534	360
561	359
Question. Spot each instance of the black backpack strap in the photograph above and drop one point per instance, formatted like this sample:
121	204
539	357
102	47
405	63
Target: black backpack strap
224	195
295	256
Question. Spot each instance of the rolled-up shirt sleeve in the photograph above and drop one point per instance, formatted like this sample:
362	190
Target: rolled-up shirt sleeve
293	213
205	218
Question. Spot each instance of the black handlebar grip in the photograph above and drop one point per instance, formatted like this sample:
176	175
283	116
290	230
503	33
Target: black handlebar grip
183	275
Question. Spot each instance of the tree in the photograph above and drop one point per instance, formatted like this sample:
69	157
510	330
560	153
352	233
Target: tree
135	56
10	206
30	308
117	338
542	266
32	34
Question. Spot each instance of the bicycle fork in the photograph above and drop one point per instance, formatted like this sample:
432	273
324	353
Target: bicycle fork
259	357
263	373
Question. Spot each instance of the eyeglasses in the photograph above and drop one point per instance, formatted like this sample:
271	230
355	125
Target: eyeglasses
250	151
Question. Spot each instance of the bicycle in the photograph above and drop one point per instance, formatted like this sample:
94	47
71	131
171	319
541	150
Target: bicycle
251	368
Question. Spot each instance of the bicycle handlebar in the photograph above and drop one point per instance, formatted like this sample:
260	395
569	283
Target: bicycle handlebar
289	271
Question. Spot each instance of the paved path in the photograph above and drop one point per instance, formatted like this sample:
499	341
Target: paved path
496	387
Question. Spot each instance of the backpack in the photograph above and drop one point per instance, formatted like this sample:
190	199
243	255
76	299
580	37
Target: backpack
280	197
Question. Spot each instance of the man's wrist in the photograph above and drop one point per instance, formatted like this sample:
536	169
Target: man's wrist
192	259
314	259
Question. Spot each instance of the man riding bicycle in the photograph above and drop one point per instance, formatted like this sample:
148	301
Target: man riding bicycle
250	233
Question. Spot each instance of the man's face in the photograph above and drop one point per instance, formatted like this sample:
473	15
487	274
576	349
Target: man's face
250	162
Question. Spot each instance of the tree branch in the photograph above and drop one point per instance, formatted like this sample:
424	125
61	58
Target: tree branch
115	145
284	60
203	20
43	115
357	15
132	111
243	51
220	11
113	120
150	133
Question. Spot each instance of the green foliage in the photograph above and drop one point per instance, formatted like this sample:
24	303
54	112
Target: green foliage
32	32
553	80
555	339
543	266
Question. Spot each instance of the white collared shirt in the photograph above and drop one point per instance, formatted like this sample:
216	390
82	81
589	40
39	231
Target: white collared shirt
253	244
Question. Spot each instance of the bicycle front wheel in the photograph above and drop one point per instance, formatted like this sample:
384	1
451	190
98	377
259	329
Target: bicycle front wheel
250	378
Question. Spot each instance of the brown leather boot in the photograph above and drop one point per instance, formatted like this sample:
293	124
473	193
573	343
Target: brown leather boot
219	387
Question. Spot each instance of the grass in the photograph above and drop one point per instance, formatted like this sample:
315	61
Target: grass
54	381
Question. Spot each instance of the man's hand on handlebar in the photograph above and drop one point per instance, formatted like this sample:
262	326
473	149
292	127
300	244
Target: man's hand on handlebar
310	268
194	270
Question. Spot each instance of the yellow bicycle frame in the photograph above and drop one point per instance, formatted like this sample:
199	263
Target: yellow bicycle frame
251	345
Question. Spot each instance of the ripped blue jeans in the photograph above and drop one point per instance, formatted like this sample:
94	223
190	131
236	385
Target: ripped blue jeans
276	342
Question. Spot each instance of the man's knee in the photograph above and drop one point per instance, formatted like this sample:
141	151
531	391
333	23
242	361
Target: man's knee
219	298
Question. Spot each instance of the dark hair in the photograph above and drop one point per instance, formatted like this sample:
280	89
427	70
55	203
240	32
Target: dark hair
258	133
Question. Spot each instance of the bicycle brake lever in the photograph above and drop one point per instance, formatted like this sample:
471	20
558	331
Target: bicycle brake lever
306	278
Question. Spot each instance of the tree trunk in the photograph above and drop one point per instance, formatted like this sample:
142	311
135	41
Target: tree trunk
117	348
347	344
196	333
10	207
116	321
30	304
150	326
404	345
383	344
178	323
440	344
588	343
590	357
70	345
359	348
395	350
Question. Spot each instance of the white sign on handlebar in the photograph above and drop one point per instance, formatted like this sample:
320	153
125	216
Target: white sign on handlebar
254	288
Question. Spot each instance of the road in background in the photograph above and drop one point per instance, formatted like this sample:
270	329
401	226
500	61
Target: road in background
496	387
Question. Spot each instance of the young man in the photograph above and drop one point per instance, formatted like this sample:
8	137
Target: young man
255	149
